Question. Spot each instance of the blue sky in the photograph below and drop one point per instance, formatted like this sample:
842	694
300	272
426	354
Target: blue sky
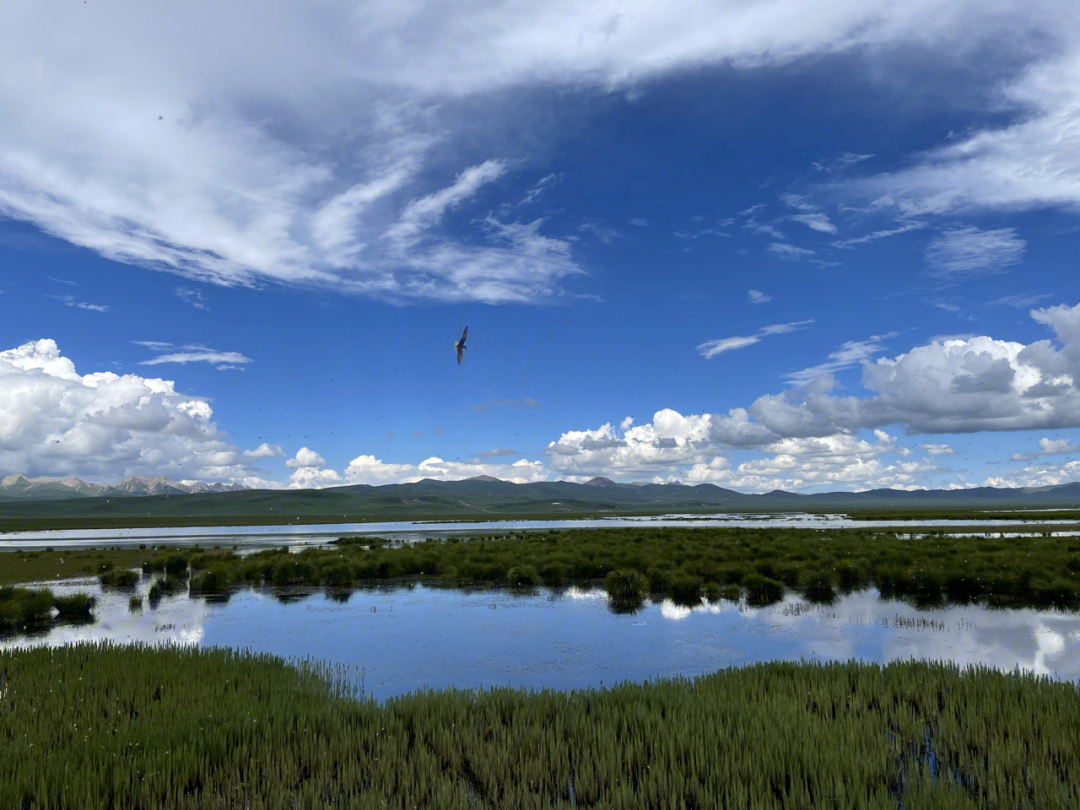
800	245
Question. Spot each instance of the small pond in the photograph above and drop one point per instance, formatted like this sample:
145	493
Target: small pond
402	640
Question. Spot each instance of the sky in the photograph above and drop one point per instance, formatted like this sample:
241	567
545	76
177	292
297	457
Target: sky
809	245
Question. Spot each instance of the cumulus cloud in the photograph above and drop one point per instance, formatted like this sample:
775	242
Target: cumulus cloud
1048	447
306	458
711	348
938	449
968	252
366	469
265	450
103	426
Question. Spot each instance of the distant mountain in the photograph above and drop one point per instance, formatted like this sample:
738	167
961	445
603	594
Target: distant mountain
19	487
77	503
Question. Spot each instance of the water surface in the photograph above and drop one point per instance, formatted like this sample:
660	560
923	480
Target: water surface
405	639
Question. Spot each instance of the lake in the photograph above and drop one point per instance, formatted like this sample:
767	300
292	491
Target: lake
402	640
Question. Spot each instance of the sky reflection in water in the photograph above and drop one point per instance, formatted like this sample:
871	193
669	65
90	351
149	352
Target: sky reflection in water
405	640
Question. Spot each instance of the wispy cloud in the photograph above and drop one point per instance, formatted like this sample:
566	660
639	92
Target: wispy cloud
71	302
190	296
882	234
498	452
969	252
712	348
533	194
1020	301
839	163
789	252
812	216
527	403
850	354
194	353
758	297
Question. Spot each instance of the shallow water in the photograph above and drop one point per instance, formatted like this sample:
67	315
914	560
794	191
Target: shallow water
402	640
254	537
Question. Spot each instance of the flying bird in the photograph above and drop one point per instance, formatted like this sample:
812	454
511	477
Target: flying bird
460	345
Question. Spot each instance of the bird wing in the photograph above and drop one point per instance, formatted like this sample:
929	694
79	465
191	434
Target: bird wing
459	356
464	335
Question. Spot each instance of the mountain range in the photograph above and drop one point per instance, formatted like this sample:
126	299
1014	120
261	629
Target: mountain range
164	502
22	488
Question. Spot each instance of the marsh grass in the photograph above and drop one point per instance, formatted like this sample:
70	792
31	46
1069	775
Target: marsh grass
33	607
177	728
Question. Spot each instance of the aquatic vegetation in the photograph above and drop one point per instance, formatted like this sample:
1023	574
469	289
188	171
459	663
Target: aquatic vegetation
135	603
926	569
177	728
522	576
686	590
625	585
119	579
20	607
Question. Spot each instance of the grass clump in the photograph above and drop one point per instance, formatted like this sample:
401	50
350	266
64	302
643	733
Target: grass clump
627	585
24	607
119	579
523	576
179	728
762	590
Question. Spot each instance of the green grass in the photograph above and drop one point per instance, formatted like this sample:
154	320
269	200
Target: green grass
139	727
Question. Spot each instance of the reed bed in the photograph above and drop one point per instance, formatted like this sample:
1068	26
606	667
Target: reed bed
100	726
685	563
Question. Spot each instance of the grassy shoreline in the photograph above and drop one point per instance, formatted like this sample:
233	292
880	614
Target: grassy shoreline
137	727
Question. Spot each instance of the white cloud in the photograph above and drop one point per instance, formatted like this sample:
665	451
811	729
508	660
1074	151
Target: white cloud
938	449
265	450
881	234
840	163
789	252
711	348
366	469
758	297
306	458
849	355
190	296
199	356
1028	164
281	146
1021	300
71	302
812	216
1043	475
103	426
1048	447
967	252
